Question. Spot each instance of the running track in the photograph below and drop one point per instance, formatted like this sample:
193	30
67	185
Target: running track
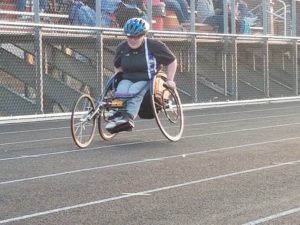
234	165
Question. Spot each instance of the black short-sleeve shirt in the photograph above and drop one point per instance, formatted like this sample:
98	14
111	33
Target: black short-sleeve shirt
144	62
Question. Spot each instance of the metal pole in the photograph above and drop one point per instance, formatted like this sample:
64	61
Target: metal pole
149	11
233	28
266	68
195	62
294	18
193	19
234	69
265	17
225	15
98	13
39	69
36	10
295	66
99	52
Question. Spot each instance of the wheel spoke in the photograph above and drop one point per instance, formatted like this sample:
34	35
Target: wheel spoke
83	127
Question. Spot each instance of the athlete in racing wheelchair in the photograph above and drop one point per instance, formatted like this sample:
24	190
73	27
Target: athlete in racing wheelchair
139	87
139	58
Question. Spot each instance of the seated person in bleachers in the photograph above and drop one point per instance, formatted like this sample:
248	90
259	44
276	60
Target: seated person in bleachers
108	7
207	14
117	12
245	18
181	9
128	9
21	6
244	12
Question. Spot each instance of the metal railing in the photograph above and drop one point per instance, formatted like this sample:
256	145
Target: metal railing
279	15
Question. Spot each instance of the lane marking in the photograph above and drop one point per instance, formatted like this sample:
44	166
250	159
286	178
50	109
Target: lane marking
251	118
35	130
143	161
133	143
190	125
272	217
123	196
57	119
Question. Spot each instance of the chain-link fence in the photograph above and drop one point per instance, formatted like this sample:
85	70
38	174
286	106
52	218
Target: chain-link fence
45	67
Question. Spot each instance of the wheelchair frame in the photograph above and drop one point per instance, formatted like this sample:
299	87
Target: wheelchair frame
166	109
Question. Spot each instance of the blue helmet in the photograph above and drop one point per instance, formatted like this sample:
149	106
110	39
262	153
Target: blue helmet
136	27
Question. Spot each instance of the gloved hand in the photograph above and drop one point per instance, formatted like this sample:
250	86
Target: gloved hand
170	84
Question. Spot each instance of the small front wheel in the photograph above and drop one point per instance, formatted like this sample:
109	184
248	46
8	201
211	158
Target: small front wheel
102	122
83	121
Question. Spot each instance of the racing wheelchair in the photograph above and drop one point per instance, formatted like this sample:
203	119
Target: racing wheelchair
160	102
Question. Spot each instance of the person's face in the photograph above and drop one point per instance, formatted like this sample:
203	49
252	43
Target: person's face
135	42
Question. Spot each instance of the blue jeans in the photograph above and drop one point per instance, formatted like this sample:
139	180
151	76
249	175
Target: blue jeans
43	5
21	5
128	87
180	8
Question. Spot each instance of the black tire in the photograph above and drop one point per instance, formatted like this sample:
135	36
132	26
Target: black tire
103	120
168	113
82	126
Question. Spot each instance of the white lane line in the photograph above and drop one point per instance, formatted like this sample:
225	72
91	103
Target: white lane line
187	125
246	111
77	150
240	120
34	141
139	142
144	161
146	192
195	124
224	121
272	217
35	130
254	128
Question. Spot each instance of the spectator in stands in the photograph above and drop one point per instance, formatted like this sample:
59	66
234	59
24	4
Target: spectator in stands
244	12
21	5
43	5
91	4
108	7
207	14
181	9
245	18
129	9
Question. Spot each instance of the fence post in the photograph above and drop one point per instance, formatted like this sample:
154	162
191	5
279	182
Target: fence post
234	68
265	17
266	68
38	47
149	12
98	13
294	18
99	63
295	66
195	62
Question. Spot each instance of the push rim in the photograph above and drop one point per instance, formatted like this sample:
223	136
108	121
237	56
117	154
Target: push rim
168	114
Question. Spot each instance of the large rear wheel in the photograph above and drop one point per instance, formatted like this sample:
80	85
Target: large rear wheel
168	112
82	121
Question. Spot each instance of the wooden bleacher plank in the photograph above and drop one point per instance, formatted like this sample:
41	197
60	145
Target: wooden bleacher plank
171	22
199	27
